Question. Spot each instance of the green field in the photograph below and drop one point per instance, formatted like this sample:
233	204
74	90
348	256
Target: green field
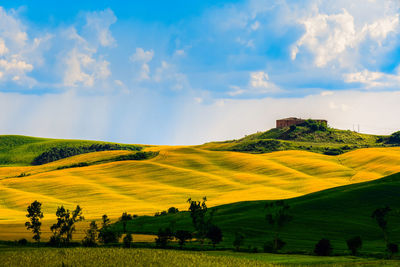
337	214
157	257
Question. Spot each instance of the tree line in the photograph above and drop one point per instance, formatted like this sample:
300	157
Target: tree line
277	216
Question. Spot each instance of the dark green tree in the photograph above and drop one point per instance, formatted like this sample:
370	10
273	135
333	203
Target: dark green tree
163	237
277	216
392	249
323	247
65	226
198	212
172	210
238	241
183	236
381	216
127	240
124	219
90	240
354	244
106	233
35	214
214	233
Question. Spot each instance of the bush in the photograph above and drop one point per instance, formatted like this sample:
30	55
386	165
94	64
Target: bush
392	248
274	245
394	138
315	125
214	233
323	247
163	237
22	242
172	210
354	244
127	240
238	241
333	151
182	236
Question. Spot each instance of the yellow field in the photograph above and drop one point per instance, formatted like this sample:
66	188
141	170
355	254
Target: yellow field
177	173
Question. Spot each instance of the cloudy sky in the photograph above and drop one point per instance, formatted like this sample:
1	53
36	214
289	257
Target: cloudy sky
187	72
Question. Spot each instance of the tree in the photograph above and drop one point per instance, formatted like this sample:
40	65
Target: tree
124	219
238	241
323	247
277	216
392	249
127	240
214	233
106	234
381	217
182	236
394	138
65	226
35	214
198	212
172	210
163	237
90	239
354	244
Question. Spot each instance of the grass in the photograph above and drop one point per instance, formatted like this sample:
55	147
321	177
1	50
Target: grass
177	173
158	257
330	142
337	214
18	150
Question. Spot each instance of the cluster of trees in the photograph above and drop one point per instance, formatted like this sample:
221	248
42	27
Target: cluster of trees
171	210
202	220
57	153
277	216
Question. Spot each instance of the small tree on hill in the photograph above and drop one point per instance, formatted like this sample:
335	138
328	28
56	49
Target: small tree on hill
127	240
354	244
214	233
238	241
323	247
65	226
183	236
277	216
34	214
90	239
381	216
163	237
124	219
198	212
106	234
172	210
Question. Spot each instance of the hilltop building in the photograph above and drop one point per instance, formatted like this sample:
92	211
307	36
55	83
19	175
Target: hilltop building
282	123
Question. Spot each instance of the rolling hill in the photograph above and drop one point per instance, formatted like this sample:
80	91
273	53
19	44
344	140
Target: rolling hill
100	183
337	214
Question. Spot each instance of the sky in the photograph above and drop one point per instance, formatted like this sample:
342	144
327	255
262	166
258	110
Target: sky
188	72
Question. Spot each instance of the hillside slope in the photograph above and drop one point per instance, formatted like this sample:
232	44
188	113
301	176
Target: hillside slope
309	136
337	214
151	185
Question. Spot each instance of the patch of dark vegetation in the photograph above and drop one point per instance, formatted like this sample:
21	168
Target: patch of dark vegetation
260	146
333	151
57	153
141	155
394	138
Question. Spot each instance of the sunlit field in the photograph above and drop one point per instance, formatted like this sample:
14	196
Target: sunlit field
177	173
152	257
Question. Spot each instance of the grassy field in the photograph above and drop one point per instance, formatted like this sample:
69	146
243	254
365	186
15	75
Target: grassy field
177	173
151	257
337	214
330	141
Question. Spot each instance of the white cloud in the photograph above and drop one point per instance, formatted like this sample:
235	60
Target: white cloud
336	37
170	77
258	84
326	93
255	25
83	64
98	26
373	79
143	57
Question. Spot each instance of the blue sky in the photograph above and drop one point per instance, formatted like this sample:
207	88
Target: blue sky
187	72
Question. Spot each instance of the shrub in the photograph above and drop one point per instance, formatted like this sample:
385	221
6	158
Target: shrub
182	236
163	237
127	240
354	244
214	233
333	151
394	138
172	210
323	247
238	241
274	245
392	248
90	240
22	242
